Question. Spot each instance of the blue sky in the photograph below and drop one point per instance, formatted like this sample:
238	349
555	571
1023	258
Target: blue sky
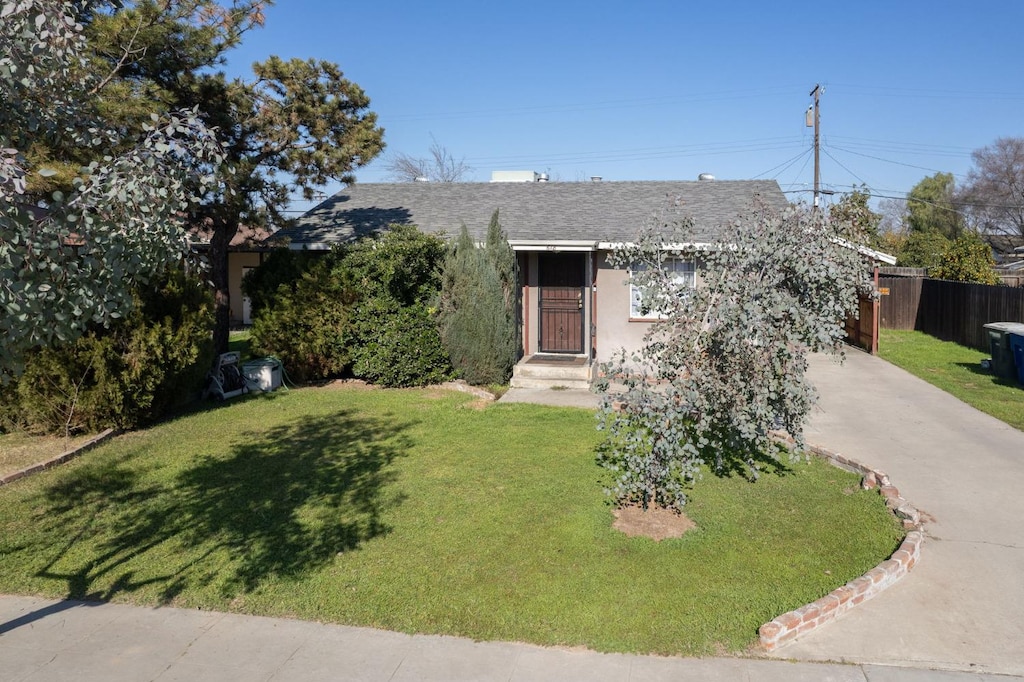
650	90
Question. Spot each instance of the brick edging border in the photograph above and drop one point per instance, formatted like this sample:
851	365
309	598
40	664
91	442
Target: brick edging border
61	458
790	625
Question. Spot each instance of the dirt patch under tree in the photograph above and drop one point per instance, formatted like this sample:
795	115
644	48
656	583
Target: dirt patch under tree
656	523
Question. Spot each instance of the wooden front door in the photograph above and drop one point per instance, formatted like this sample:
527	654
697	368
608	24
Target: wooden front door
561	278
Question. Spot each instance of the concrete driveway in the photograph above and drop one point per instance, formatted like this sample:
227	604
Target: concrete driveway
962	607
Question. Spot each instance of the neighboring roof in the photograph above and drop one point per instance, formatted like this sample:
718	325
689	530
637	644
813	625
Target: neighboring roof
247	238
530	211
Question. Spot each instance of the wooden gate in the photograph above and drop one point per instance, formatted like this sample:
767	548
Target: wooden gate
561	280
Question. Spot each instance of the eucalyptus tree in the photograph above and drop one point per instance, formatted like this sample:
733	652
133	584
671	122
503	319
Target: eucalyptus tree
725	365
70	257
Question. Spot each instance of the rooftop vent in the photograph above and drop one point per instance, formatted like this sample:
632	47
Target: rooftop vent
514	176
543	177
704	177
595	178
422	179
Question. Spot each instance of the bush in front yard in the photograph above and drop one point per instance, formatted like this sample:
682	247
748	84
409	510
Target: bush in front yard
130	374
277	276
478	307
362	310
395	341
406	350
308	328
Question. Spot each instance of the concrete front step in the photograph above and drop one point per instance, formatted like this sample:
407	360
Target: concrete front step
535	372
525	382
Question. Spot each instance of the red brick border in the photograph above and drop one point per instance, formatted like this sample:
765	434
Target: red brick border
59	459
789	626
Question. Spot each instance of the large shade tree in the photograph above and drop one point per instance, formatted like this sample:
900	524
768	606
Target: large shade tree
932	207
71	257
292	127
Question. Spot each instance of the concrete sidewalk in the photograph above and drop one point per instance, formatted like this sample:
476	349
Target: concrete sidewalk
50	641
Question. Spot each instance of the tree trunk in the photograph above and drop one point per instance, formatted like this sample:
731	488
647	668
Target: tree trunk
219	241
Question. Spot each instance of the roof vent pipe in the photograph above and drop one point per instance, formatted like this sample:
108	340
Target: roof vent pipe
543	177
705	177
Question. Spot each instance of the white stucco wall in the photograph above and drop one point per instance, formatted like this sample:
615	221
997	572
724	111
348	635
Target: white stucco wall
615	329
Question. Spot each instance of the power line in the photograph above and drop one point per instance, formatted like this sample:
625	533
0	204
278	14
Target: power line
714	96
787	163
708	148
923	93
807	160
829	155
902	146
878	158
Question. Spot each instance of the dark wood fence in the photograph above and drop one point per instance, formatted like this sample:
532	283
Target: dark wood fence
951	311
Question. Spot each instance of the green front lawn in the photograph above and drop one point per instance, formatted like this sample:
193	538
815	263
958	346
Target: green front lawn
420	511
957	370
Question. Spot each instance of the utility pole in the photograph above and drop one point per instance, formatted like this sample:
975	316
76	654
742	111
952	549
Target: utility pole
816	94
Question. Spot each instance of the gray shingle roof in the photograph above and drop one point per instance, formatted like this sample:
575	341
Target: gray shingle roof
531	211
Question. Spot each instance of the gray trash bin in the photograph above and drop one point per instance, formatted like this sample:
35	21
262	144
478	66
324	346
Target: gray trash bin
999	345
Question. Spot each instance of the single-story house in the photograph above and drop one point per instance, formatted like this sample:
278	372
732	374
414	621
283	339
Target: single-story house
577	310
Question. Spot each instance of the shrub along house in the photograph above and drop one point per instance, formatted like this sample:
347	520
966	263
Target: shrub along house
576	309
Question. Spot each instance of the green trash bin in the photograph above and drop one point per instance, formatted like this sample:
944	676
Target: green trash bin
999	345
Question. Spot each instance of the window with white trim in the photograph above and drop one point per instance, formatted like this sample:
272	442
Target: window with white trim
684	276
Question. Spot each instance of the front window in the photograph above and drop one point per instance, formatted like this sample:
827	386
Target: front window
683	274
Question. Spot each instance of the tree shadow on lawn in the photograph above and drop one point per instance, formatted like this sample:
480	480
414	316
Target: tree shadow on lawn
278	505
749	465
976	368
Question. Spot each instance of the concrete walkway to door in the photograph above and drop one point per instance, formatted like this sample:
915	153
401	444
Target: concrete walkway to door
962	607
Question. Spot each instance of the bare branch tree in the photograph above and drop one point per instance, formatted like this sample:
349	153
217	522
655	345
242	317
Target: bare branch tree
440	166
994	192
894	216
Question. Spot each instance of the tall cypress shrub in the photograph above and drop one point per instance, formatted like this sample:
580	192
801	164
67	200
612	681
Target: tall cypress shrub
503	259
477	313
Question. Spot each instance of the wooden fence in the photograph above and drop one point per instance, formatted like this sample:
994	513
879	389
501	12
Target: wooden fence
1015	280
862	331
951	311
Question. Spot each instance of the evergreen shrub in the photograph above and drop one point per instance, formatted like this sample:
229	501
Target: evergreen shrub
281	268
478	320
132	373
361	311
307	328
407	349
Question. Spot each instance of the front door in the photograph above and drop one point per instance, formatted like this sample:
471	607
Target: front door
561	278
